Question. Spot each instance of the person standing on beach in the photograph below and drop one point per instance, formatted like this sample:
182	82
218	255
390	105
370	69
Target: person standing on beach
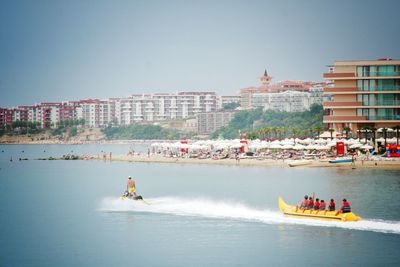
131	187
353	160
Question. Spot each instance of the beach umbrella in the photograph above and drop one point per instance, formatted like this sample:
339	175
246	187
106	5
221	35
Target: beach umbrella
366	147
236	145
287	146
310	147
299	147
387	130
355	146
331	144
322	147
275	146
287	142
307	141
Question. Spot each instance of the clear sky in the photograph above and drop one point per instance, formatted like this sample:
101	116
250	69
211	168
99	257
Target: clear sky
68	50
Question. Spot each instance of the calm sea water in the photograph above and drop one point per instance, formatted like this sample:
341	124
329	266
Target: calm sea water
67	213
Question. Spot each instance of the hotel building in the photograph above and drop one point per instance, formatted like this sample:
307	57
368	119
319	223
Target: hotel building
365	93
290	96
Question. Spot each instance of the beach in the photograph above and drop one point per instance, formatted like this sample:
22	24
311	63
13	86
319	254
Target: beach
383	163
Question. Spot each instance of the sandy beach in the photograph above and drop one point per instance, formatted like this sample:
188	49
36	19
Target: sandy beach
384	163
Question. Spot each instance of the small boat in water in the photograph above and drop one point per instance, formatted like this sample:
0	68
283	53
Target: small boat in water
340	160
316	214
295	163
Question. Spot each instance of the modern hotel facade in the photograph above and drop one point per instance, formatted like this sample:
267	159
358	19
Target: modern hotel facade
365	93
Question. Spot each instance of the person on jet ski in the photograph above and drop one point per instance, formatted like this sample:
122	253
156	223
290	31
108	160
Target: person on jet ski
131	187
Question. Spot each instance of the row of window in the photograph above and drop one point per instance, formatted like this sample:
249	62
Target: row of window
387	70
379	85
379	113
379	99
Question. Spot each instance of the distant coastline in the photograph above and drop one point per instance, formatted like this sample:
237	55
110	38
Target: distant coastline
51	140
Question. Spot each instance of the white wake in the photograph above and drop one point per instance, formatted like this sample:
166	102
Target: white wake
232	210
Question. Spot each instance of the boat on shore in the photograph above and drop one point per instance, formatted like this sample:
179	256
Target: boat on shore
340	160
295	163
293	211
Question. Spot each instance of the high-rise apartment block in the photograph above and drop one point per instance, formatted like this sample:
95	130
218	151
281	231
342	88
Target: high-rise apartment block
121	111
365	93
208	122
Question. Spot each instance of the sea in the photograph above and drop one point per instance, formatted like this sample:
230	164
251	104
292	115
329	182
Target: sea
69	212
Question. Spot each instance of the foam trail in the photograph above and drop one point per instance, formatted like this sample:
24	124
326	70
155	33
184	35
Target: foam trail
233	210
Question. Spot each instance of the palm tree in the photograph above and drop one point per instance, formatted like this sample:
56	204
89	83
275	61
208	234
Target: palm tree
347	130
275	130
373	130
384	131
295	132
331	130
397	128
318	129
267	132
365	128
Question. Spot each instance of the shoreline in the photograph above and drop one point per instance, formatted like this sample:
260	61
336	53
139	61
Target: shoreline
383	164
103	142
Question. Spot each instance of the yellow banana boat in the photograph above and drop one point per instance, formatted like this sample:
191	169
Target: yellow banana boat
316	214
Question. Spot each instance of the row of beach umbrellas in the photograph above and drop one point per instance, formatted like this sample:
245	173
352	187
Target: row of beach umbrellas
285	144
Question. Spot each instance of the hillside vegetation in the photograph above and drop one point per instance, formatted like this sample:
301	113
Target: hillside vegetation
272	124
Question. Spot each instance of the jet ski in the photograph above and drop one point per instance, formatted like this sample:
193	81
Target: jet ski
126	195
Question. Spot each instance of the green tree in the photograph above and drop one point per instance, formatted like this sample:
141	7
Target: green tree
231	106
331	132
318	130
73	131
347	130
397	128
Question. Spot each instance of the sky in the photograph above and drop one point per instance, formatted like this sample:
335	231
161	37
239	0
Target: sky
69	50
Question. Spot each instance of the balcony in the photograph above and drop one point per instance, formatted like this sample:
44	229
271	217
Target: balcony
338	90
339	75
380	88
342	104
379	74
383	103
383	118
333	118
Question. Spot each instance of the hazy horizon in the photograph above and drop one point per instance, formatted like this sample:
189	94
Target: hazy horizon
71	50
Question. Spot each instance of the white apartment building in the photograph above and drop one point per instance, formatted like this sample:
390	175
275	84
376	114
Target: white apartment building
289	101
208	122
317	95
162	106
222	100
126	111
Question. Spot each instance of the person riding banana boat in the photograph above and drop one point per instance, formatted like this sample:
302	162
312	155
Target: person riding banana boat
318	210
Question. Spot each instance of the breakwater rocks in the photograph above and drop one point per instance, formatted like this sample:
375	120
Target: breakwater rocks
64	157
